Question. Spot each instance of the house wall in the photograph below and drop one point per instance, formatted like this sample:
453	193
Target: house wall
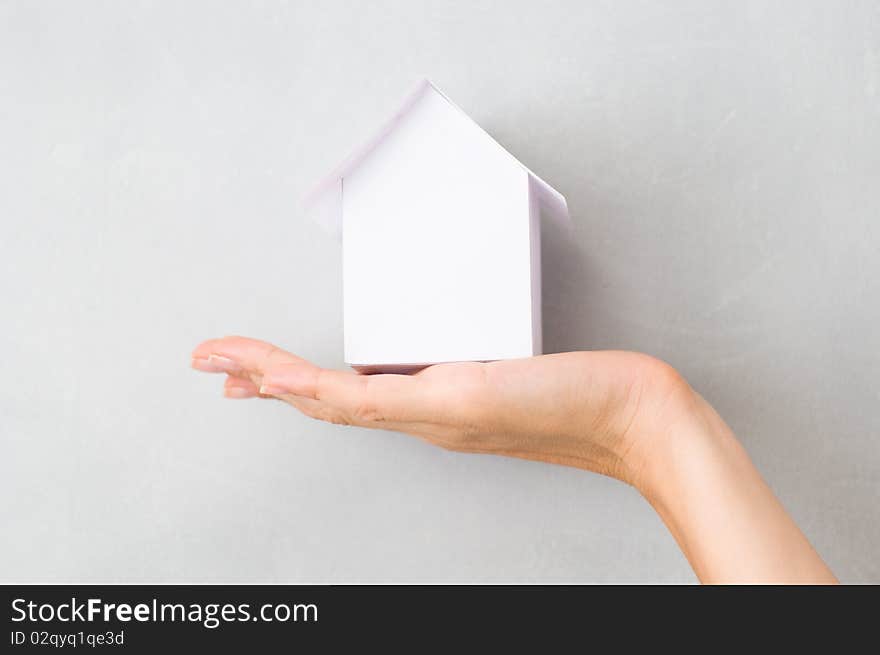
536	219
436	245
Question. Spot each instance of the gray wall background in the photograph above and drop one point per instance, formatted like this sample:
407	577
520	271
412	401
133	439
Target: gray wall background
722	164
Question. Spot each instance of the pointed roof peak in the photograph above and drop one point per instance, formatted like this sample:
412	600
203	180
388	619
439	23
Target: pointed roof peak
323	202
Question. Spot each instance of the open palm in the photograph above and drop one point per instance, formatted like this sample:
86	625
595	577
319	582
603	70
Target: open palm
593	410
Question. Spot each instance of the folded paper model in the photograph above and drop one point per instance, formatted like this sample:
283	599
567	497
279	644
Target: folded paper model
440	229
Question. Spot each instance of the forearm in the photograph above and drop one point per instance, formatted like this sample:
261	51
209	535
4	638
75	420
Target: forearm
623	414
725	518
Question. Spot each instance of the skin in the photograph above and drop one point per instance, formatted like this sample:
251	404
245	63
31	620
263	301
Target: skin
621	414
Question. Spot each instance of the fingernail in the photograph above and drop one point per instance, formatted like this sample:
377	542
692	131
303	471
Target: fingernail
224	363
272	390
205	365
238	392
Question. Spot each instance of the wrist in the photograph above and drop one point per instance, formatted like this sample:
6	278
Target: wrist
723	515
688	434
661	416
691	453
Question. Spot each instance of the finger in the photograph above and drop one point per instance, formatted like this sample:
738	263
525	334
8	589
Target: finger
240	388
236	354
213	364
351	398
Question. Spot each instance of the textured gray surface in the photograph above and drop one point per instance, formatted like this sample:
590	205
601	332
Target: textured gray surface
721	161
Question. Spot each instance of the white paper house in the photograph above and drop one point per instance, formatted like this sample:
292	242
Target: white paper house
440	230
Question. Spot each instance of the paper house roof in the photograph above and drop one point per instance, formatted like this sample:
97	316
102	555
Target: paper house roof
324	203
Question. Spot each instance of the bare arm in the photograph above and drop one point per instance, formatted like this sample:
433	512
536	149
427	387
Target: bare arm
725	518
621	414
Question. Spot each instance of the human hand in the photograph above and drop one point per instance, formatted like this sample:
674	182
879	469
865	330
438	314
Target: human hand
623	414
601	411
